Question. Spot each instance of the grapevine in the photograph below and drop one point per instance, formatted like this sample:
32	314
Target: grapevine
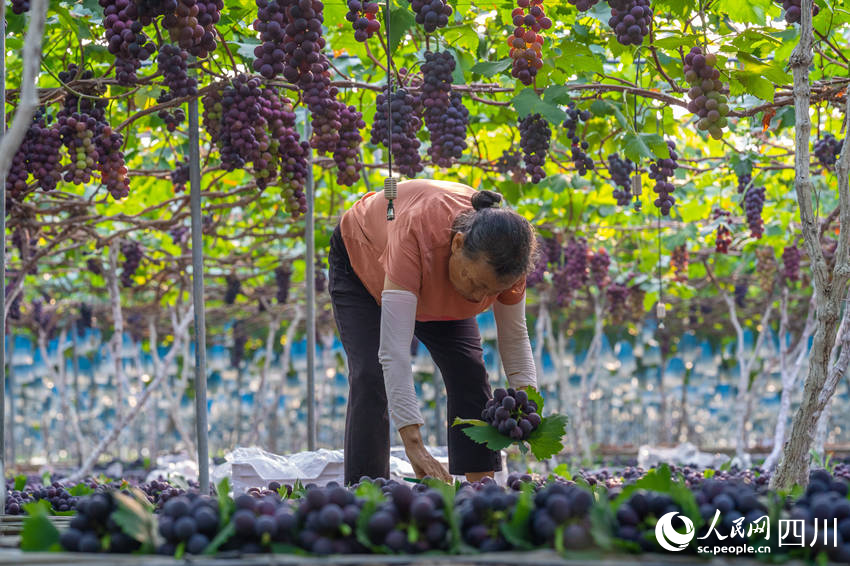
707	100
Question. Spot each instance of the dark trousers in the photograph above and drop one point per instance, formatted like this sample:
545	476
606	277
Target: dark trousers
455	347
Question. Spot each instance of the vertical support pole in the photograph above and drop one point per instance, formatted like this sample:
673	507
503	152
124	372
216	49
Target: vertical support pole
10	383
309	283
3	265
198	298
75	365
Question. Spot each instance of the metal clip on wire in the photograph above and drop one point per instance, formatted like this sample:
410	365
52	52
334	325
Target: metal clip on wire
390	192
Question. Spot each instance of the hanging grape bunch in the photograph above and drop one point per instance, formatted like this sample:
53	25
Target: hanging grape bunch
630	20
766	268
534	137
581	160
20	6
679	262
282	276
526	42
431	14
512	413
132	259
616	296
125	38
347	152
16	179
793	11
621	172
744	182
753	204
180	176
405	125
270	54
41	151
583	5
538	274
510	163
574	274
724	235
791	263
660	171
362	14
827	149
234	286
707	100
740	293
171	61
599	264
192	25
445	115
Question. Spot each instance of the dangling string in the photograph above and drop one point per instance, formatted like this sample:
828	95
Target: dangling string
390	183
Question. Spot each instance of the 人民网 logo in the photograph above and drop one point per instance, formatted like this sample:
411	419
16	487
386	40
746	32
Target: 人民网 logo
667	536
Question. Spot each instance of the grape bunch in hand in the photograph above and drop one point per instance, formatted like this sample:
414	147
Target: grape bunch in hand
512	413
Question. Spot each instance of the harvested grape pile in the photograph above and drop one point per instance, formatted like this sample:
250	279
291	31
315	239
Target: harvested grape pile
601	510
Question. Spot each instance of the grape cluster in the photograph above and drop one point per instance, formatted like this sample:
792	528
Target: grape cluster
481	512
179	235
581	159
791	263
20	6
660	171
744	182
526	42
125	38
574	274
85	320
445	115
327	518
188	519
724	235
825	499
537	275
707	100
679	262
510	163
361	14
59	498
192	25
94	530
827	149
113	171
347	152
615	297
16	179
271	57
793	12
132	259
404	108
766	268
431	14
240	339
180	176
420	510
621	172
77	134
94	266
740	292
534	137
583	5
512	413
171	60
40	149
320	97
599	264
282	276
562	506
234	287
630	20
293	177
753	204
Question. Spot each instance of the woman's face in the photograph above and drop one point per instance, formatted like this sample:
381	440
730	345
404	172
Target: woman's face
474	280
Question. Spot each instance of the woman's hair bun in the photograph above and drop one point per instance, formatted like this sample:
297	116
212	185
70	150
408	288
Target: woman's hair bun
485	199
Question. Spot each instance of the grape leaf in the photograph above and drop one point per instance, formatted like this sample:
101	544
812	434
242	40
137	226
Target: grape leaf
534	395
80	489
545	440
401	20
39	534
490	68
374	497
135	517
222	537
226	506
483	433
517	530
21	482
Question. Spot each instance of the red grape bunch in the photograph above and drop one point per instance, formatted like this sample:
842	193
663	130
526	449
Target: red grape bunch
526	42
270	54
753	204
582	160
621	173
660	171
132	259
192	25
512	412
431	14
41	147
583	5
172	62
600	263
320	97
630	20
361	14
113	171
243	127
793	12
724	235
827	149
347	152
180	176
404	108
445	115
679	262
707	100
791	263
534	138
125	38
574	274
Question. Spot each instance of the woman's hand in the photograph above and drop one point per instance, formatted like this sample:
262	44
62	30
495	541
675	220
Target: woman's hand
423	463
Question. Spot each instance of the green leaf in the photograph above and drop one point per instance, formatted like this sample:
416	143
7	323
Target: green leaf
674	41
80	489
490	68
21	482
401	20
222	537
708	473
605	108
545	440
525	102
39	534
649	146
135	517
750	12
374	497
517	531
46	479
534	395
562	470
226	506
557	94
483	433
756	85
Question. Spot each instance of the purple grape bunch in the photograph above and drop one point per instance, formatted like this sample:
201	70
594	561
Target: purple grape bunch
827	149
431	14
445	115
599	264
362	15
125	38
791	263
192	25
574	274
534	138
405	110
171	60
282	275
660	171
347	152
584	5
630	20
578	147
621	172
133	254
512	413
793	12
753	204
744	182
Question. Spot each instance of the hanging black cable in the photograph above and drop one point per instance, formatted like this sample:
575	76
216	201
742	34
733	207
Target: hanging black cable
390	183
